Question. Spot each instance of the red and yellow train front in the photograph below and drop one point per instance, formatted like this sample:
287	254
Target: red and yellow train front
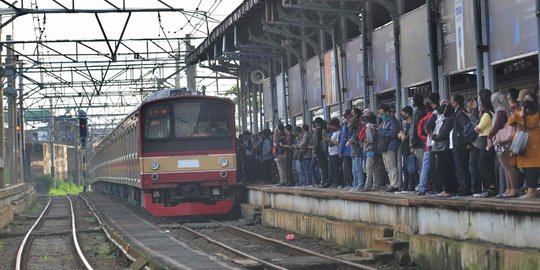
188	161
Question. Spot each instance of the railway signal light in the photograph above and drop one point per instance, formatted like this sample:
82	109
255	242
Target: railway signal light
83	129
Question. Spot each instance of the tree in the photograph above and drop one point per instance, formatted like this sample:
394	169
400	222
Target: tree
232	93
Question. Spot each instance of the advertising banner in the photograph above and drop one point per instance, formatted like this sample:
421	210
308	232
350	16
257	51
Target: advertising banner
280	96
295	91
267	100
384	59
459	44
512	28
355	69
313	82
414	48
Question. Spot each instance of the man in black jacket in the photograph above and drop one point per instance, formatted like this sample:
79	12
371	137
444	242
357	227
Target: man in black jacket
416	144
319	159
459	146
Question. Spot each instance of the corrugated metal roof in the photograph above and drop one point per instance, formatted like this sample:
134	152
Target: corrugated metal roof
233	18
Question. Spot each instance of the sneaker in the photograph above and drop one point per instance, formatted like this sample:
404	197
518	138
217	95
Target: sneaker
407	192
391	189
420	193
484	194
444	195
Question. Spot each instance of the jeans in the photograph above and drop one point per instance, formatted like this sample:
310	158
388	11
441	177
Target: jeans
358	173
424	175
300	172
308	178
280	162
314	168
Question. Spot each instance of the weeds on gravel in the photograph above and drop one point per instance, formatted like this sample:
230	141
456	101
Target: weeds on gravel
45	258
2	246
91	219
17	221
104	251
35	209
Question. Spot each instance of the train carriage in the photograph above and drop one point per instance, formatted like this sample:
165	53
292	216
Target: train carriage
174	156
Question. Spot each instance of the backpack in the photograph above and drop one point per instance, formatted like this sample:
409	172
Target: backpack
412	164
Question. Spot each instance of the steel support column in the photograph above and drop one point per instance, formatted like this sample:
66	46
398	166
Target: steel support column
22	139
302	64
284	92
479	45
489	76
11	93
273	92
367	54
343	55
322	46
2	155
400	96
432	18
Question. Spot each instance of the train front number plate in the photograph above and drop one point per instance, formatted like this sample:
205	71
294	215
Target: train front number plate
184	164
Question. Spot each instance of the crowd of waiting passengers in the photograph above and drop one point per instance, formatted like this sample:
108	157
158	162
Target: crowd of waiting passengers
484	147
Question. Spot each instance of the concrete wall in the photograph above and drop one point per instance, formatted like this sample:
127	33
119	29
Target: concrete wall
14	200
490	234
65	161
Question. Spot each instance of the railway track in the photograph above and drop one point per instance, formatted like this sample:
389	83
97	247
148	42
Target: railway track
52	243
266	251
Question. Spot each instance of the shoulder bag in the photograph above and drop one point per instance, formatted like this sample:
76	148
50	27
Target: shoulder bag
519	143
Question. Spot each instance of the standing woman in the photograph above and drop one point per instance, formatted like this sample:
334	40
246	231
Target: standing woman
528	119
487	155
502	112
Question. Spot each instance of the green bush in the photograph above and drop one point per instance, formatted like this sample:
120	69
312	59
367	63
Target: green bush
44	183
63	188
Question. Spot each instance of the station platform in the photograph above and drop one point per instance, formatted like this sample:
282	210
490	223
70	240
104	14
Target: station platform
165	251
442	233
14	200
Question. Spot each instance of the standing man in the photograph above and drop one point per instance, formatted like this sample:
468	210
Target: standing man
345	149
415	142
319	157
409	178
388	145
459	146
333	154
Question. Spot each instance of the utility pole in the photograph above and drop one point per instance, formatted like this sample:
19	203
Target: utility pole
2	155
22	139
191	70
52	139
11	94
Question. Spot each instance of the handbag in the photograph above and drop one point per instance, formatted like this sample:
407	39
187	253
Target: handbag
505	134
439	146
519	143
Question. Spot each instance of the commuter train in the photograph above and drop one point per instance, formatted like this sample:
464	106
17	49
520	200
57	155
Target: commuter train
174	155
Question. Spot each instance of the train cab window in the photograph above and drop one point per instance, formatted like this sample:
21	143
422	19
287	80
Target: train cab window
156	122
196	119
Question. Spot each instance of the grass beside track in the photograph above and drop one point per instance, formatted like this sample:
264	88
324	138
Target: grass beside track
62	188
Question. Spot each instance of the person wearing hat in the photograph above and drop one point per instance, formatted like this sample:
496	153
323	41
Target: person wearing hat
388	145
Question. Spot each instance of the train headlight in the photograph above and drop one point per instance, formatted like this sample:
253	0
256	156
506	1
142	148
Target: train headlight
154	165
154	177
223	162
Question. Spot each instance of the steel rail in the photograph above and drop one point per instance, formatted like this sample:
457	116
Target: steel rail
23	243
73	231
75	240
229	248
118	245
355	265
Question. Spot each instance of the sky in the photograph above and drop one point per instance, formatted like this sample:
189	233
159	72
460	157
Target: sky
85	26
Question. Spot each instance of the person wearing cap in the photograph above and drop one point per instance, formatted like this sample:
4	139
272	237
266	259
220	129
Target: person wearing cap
345	150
